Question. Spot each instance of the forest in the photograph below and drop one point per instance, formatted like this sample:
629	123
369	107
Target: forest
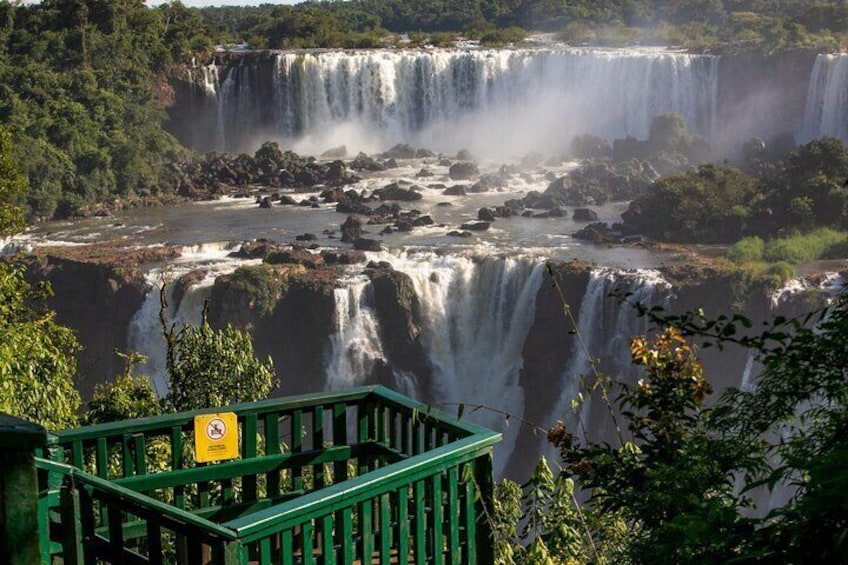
83	90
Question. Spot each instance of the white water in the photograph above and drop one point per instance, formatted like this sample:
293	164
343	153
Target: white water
826	111
355	346
602	343
494	102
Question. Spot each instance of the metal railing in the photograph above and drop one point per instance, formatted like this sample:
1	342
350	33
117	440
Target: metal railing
361	476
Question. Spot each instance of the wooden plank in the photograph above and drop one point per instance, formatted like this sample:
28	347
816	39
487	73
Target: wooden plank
297	447
453	516
402	527
272	447
437	518
469	515
385	528
366	531
318	444
339	438
420	535
249	431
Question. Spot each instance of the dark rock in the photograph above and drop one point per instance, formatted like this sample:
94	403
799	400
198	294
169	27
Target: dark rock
343	257
258	249
388	230
306	237
351	229
464	155
424	173
487	183
444	162
348	206
457	233
390	164
423	221
485	215
556	213
363	162
424	154
365	244
455	190
295	257
404	226
585	215
265	202
286	200
395	192
598	233
463	171
444	204
475	226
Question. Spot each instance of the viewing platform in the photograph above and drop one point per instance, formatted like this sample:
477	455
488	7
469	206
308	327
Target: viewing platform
359	476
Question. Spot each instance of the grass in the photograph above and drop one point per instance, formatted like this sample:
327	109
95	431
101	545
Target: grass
819	244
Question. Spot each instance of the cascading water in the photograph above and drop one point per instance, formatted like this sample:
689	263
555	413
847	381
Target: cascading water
602	342
826	111
355	347
475	317
490	101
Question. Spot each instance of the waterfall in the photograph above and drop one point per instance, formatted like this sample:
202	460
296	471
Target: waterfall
826	111
475	316
355	346
602	342
490	101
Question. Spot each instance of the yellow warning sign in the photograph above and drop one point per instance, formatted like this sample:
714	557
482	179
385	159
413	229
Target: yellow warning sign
216	437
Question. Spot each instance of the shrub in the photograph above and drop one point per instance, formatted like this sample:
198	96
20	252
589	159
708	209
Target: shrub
800	248
747	249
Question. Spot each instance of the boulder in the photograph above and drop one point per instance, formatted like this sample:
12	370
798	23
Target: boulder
475	226
394	192
343	257
363	162
585	215
295	257
365	244
598	233
286	200
351	229
258	249
463	171
457	233
400	151
265	202
306	237
423	221
455	190
485	215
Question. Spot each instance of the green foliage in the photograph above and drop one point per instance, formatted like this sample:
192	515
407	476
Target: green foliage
747	249
37	355
709	205
12	187
806	247
128	397
208	367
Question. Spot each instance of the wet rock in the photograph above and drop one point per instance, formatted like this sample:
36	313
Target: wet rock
395	192
258	249
343	257
295	257
598	232
464	155
265	202
424	173
485	215
475	226
363	162
455	190
457	233
306	237
585	215
351	229
365	244
400	151
348	206
463	171
388	230
423	221
286	200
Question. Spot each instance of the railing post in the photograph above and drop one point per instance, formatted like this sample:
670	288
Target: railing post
19	529
485	509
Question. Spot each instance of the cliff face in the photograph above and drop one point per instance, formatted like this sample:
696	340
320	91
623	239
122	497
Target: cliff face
96	292
763	96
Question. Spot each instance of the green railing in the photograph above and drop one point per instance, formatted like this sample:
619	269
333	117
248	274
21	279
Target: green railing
362	476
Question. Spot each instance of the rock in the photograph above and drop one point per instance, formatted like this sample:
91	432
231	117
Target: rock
487	183
336	173
363	162
343	257
348	206
455	190
295	257
423	221
424	173
424	154
184	283
404	225
395	192
351	229
400	151
444	204
339	152
463	171
485	215
585	215
265	202
464	155
258	249
475	226
444	162
556	213
457	233
365	244
286	200
598	233
388	230
306	237
390	164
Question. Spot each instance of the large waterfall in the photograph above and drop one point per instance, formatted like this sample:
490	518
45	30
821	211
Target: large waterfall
826	112
494	102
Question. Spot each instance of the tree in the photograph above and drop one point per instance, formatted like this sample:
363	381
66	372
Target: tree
129	396
37	355
208	367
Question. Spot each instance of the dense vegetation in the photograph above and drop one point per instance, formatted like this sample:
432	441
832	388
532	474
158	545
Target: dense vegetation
700	24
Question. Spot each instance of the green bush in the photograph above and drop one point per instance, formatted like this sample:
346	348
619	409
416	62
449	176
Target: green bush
747	249
800	248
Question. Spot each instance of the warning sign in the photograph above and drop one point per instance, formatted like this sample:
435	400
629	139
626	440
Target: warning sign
216	437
